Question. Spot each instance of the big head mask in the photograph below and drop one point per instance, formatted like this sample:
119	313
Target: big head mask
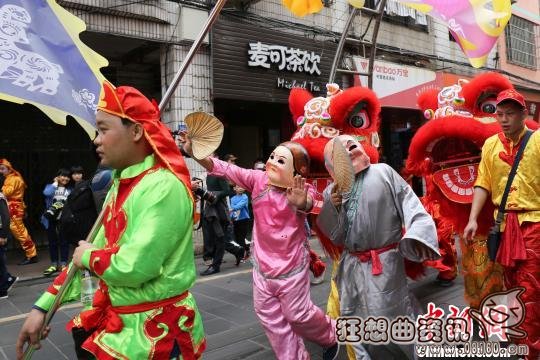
287	160
359	158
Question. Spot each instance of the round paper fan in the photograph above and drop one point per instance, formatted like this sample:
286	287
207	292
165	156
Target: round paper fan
343	169
205	132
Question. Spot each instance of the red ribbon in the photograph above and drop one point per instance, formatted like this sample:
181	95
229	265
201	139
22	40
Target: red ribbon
512	246
373	255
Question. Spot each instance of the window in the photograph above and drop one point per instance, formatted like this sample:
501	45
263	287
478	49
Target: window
397	13
521	42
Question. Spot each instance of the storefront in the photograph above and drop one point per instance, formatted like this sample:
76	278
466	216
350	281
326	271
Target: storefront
397	87
253	70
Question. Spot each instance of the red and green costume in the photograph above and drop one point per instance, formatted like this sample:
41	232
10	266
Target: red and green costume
144	259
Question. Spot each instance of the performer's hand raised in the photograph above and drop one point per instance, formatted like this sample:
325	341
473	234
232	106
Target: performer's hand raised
185	142
335	197
297	194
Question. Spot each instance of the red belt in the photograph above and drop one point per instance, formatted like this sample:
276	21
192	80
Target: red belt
373	255
104	316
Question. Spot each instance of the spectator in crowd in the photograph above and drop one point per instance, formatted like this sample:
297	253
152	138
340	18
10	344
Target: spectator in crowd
217	227
79	212
240	217
56	194
13	189
259	165
6	279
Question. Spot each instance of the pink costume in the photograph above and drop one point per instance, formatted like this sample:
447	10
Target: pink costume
281	258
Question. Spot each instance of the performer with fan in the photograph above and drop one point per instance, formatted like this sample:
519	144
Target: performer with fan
367	218
143	252
281	291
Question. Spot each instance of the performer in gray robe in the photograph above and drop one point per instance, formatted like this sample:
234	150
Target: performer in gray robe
368	222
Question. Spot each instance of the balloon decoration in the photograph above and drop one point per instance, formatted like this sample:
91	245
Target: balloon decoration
303	7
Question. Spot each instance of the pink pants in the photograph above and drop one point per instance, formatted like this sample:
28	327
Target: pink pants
287	315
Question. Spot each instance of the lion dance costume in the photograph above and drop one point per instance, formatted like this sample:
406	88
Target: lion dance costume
13	189
446	152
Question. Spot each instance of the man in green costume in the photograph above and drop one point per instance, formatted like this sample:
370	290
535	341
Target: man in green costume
143	252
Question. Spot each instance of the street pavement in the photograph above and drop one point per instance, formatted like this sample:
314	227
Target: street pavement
225	301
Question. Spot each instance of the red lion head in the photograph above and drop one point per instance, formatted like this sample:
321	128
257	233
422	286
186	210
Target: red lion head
354	111
446	150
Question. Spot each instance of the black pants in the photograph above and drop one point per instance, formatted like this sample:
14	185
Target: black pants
220	243
241	228
79	337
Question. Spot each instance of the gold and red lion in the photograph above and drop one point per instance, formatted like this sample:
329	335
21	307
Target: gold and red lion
445	151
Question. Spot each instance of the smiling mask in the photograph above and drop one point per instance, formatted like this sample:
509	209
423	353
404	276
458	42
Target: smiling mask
287	160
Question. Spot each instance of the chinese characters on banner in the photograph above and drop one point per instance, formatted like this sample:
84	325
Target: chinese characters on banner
291	59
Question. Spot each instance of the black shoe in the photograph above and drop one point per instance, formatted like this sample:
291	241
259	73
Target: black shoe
210	271
10	282
28	261
239	257
330	353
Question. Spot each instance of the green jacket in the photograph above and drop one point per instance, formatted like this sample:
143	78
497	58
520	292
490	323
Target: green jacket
143	254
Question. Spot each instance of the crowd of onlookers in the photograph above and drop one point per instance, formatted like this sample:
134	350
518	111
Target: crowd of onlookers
71	208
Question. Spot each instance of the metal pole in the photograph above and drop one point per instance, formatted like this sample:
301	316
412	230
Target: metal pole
91	236
382	4
194	47
73	270
341	44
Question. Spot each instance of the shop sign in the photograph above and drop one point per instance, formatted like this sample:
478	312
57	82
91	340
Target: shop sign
286	58
258	63
397	85
284	83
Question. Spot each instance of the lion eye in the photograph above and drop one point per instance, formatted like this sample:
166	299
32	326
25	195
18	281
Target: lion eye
360	120
488	107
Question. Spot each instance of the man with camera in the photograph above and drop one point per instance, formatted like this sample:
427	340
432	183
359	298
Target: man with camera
56	195
218	233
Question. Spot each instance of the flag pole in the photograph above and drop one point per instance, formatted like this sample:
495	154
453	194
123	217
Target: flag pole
196	44
164	101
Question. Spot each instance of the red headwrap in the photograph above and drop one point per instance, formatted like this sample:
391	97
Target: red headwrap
7	164
128	103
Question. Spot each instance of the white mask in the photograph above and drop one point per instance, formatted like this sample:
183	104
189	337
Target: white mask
280	167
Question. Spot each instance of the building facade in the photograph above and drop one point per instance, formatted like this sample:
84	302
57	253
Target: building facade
245	68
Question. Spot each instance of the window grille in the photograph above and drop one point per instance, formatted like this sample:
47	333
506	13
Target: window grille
521	37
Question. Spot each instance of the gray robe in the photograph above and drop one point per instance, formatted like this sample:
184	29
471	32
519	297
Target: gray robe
373	216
